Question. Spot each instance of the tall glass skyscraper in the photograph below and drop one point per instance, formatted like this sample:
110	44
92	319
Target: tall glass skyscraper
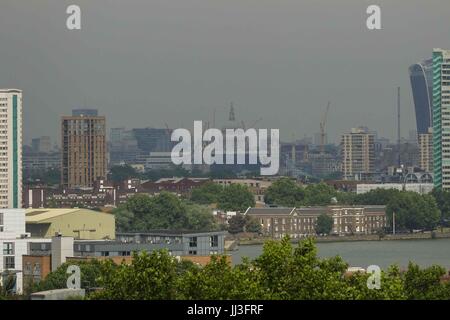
421	76
441	118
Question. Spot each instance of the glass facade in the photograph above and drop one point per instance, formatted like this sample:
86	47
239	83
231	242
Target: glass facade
421	75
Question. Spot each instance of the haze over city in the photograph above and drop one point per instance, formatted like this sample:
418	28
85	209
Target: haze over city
155	62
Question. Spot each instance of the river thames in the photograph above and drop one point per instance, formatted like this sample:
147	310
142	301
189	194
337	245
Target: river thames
381	253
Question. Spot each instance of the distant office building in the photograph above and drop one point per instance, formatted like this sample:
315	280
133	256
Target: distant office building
160	161
422	188
10	148
83	149
123	147
135	146
318	138
426	151
40	157
358	156
41	145
323	165
421	76
412	137
40	162
441	118
85	112
153	139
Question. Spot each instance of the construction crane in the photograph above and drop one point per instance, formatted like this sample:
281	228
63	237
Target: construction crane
255	122
323	122
168	131
252	125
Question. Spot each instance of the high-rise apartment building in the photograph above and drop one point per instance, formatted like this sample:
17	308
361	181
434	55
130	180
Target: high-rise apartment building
10	148
441	118
421	76
425	141
358	154
83	149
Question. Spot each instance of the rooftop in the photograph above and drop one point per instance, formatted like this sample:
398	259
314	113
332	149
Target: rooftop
41	215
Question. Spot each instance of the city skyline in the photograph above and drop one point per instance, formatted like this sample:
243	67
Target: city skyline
271	61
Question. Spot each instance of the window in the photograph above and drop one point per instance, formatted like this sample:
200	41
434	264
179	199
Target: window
105	253
192	242
27	269
1	219
37	269
8	248
8	263
192	252
214	241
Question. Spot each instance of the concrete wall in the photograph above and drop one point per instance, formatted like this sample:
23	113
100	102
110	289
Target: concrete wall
62	247
60	294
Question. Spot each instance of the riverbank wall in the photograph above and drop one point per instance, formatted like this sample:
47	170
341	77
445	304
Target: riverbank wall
368	237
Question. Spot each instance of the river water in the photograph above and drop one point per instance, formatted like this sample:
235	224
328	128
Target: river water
382	253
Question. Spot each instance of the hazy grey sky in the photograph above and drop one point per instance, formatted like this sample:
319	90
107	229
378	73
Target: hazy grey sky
147	62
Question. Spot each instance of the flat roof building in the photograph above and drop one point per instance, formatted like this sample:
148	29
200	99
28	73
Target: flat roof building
77	223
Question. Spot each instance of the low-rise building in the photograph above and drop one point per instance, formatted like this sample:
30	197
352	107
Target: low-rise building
77	223
14	243
301	222
422	188
257	186
105	193
44	257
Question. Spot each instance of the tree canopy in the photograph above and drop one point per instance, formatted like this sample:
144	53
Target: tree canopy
287	193
164	211
235	197
324	224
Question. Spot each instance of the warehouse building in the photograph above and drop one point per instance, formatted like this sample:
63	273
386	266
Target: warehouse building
77	223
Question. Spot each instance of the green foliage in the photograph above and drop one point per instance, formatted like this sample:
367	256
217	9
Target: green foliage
199	218
151	276
241	223
7	288
442	198
90	271
282	271
164	211
377	196
121	173
425	284
207	193
252	225
324	224
236	224
285	192
50	177
176	171
236	197
319	194
413	211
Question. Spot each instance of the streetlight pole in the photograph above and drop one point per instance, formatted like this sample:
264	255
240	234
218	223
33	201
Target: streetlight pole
393	222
